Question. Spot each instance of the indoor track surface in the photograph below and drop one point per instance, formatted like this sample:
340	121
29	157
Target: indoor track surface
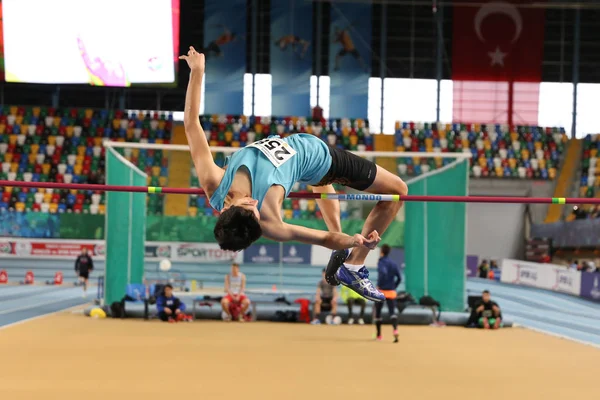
67	356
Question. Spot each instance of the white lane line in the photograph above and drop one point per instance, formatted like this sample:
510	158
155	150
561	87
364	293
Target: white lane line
39	316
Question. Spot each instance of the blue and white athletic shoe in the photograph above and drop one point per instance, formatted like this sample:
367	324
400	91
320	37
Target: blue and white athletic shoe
337	259
359	282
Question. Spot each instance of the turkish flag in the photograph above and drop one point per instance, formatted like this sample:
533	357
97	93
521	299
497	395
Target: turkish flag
498	41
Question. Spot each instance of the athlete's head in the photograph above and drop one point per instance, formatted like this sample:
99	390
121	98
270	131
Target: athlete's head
168	290
485	296
385	250
235	268
238	226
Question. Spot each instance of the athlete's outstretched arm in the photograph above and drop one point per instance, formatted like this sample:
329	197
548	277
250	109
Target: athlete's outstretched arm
283	232
209	174
329	208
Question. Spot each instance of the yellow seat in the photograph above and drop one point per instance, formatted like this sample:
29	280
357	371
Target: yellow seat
552	173
193	211
35	148
36	111
482	162
2	128
499	172
345	131
397	125
159	141
12	139
14	167
53	208
98	141
593	152
81	151
258	128
162	181
353	140
77	169
102	209
19	121
235	143
20	207
400	148
161	124
57	121
135	153
288	214
89	113
512	163
438	162
465	143
156	171
70	129
542	163
52	140
32	158
79	160
13	110
429	142
443	134
312	205
8	157
228	136
47	197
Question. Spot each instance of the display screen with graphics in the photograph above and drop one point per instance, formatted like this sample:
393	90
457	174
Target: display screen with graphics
96	42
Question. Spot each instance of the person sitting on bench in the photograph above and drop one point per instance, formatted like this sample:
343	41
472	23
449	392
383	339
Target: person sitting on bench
326	300
235	304
169	307
351	298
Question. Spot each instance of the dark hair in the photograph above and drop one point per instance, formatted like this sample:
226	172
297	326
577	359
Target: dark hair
486	292
385	250
236	229
168	285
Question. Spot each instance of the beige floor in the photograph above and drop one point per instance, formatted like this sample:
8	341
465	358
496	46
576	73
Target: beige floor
67	356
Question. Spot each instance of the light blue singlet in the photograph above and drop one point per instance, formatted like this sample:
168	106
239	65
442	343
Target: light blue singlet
309	165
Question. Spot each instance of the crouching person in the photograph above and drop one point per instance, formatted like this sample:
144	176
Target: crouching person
488	312
169	307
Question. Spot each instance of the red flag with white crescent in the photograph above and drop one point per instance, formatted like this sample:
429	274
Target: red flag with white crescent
498	41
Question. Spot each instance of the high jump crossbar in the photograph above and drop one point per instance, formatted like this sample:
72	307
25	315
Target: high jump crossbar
318	196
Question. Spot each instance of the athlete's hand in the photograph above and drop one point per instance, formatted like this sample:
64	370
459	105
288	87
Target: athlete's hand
372	240
194	60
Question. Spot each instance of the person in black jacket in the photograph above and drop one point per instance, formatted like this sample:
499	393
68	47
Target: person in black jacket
488	312
83	266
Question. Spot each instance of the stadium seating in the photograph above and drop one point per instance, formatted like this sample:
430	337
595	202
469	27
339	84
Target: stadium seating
525	152
41	144
590	173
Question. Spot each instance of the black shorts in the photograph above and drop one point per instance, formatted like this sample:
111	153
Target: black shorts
349	170
84	274
326	303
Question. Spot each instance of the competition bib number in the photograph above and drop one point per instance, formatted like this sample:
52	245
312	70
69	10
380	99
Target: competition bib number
275	149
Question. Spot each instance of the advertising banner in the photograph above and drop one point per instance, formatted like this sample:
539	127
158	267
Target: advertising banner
225	52
204	253
291	56
543	276
262	254
350	59
590	285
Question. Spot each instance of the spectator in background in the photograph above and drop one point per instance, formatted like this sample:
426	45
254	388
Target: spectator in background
350	297
169	307
83	266
388	279
494	269
326	300
488	312
574	265
483	269
235	304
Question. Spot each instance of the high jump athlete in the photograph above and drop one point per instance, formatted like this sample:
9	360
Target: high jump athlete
250	190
